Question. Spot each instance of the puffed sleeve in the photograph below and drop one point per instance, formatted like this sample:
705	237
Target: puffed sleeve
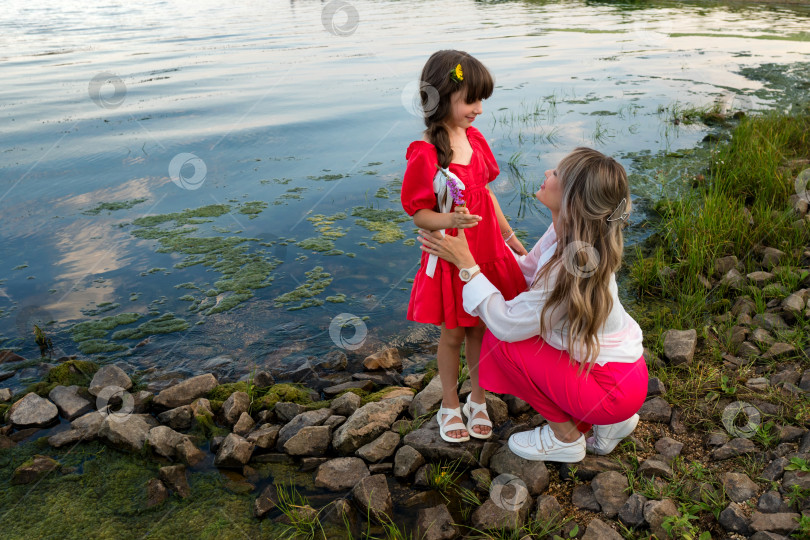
486	152
417	184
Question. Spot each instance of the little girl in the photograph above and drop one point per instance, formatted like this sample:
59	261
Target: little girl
459	83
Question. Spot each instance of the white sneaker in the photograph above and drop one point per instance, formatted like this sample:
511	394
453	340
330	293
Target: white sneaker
540	444
605	438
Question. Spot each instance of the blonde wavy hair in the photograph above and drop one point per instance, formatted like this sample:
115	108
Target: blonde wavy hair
589	247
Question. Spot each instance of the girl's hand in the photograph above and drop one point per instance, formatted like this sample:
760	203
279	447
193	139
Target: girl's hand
461	218
453	249
517	245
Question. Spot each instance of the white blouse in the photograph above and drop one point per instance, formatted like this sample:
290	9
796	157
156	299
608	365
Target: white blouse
519	318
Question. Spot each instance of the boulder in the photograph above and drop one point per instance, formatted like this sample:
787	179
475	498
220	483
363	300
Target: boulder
68	401
187	391
109	375
341	474
372	496
32	411
367	423
679	346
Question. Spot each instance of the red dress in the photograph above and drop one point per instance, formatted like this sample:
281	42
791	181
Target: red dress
438	299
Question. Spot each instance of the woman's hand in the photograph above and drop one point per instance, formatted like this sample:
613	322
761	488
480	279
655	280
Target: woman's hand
516	245
453	249
461	218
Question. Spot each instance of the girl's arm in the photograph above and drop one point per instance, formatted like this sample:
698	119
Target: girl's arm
461	218
513	242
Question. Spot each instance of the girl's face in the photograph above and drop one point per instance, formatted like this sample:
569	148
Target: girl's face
550	193
462	114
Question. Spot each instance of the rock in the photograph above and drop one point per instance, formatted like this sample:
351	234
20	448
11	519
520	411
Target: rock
733	279
367	423
177	418
599	530
341	473
427	441
5	395
309	464
406	461
632	511
780	351
385	359
588	468
759	278
334	421
309	441
372	496
655	409
156	492
789	375
656	511
187	391
415	380
533	473
757	383
381	468
735	447
265	502
287	410
770	321
796	478
733	519
583	497
655	387
492	516
263	379
652	467
771	257
174	477
68	401
164	440
609	491
32	411
794	303
346	404
234	452
771	502
738	486
435	524
497	409
548	509
109	375
747	350
724	264
308	418
188	453
8	357
244	424
128	432
780	523
668	447
33	471
201	407
366	386
775	469
380	448
264	437
428	399
679	346
234	406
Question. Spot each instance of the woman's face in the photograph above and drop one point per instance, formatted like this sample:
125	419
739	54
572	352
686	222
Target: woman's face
462	114
550	193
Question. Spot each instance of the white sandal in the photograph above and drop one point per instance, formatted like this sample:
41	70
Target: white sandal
447	414
471	409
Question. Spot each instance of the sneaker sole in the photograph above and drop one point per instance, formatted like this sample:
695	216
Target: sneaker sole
615	440
573	458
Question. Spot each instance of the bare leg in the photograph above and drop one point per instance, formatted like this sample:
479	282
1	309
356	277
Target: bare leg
473	352
448	359
565	431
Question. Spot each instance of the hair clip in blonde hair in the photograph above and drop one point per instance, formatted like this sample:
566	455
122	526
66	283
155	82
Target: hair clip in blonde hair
456	74
623	216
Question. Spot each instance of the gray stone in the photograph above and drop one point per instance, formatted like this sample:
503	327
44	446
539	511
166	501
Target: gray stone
32	411
588	468
427	441
156	492
655	409
109	375
652	467
533	473
733	519
128	432
380	448
771	502
367	423
177	418
308	418
583	497
235	452
668	447
724	264
347	404
599	530
187	391
233	407
264	437
429	399
287	410
780	523
516	405
435	524
775	469
70	404
632	511
738	486
655	387
341	474
188	453
656	511
334	421
493	516
679	346
735	447
309	441
366	386
609	491
244	424
548	509
780	351
265	502
733	279
759	278
771	257
406	461
770	321
373	497
164	440
31	472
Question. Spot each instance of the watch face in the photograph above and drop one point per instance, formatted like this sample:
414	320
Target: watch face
465	275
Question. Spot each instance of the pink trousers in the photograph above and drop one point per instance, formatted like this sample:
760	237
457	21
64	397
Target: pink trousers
541	375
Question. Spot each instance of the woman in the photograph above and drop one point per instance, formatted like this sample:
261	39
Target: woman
537	345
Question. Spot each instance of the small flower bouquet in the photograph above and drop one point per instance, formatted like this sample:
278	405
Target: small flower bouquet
449	193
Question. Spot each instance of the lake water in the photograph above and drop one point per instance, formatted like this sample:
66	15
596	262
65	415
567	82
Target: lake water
306	108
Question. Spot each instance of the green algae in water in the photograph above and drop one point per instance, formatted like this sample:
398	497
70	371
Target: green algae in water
134	296
96	346
187	285
377	214
382	193
152	271
337	299
165	324
210	211
100	308
20	267
316	283
112	206
95	330
387	232
252	208
230	302
409	241
328	177
316	244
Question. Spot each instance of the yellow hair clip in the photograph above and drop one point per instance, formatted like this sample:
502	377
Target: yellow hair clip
456	74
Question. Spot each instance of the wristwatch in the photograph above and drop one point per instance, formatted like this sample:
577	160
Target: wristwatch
466	274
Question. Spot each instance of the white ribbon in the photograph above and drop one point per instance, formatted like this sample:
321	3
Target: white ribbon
445	205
